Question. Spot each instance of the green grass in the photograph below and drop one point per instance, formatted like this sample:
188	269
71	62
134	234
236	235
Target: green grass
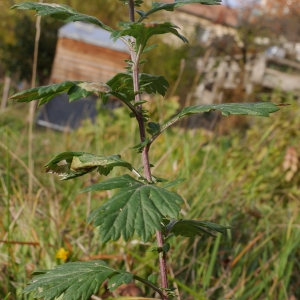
236	180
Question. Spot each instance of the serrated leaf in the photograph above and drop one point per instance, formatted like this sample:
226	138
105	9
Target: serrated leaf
74	164
118	280
122	84
112	183
61	12
142	32
263	109
76	280
192	228
157	6
75	90
138	208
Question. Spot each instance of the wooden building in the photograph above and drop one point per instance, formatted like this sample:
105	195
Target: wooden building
83	52
86	52
202	23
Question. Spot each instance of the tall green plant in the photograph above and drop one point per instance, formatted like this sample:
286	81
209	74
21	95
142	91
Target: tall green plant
143	205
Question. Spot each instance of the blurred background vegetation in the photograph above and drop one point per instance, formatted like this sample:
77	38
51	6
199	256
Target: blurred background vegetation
242	172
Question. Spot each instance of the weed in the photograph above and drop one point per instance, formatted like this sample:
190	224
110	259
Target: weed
144	205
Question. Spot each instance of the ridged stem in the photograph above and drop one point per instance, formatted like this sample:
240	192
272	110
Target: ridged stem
135	57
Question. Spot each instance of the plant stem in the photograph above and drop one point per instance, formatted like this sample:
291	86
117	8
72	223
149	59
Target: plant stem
135	57
149	284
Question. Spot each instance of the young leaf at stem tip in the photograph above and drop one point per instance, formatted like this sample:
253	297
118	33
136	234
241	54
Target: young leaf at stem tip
142	32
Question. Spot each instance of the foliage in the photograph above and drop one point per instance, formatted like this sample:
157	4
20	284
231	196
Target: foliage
83	280
75	90
140	205
238	177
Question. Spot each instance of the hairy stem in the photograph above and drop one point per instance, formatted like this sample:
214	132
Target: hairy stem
149	284
135	57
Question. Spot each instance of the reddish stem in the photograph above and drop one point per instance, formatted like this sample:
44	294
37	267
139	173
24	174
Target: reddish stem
145	154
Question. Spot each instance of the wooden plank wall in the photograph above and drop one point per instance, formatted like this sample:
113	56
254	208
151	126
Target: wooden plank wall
76	60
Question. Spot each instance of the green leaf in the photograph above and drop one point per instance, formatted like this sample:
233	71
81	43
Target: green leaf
136	3
158	179
142	32
153	249
112	183
263	109
122	85
141	146
153	128
75	90
76	280
150	48
153	278
143	61
192	228
138	208
157	6
137	103
61	12
173	183
166	247
7	296
74	164
118	280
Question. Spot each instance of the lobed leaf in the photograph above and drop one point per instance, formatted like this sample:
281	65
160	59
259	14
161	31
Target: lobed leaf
74	164
137	208
75	90
122	85
142	32
76	280
192	228
61	12
263	109
157	6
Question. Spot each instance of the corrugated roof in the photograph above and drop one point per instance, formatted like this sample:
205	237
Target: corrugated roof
91	34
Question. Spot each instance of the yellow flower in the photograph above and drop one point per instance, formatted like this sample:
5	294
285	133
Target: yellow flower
62	253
